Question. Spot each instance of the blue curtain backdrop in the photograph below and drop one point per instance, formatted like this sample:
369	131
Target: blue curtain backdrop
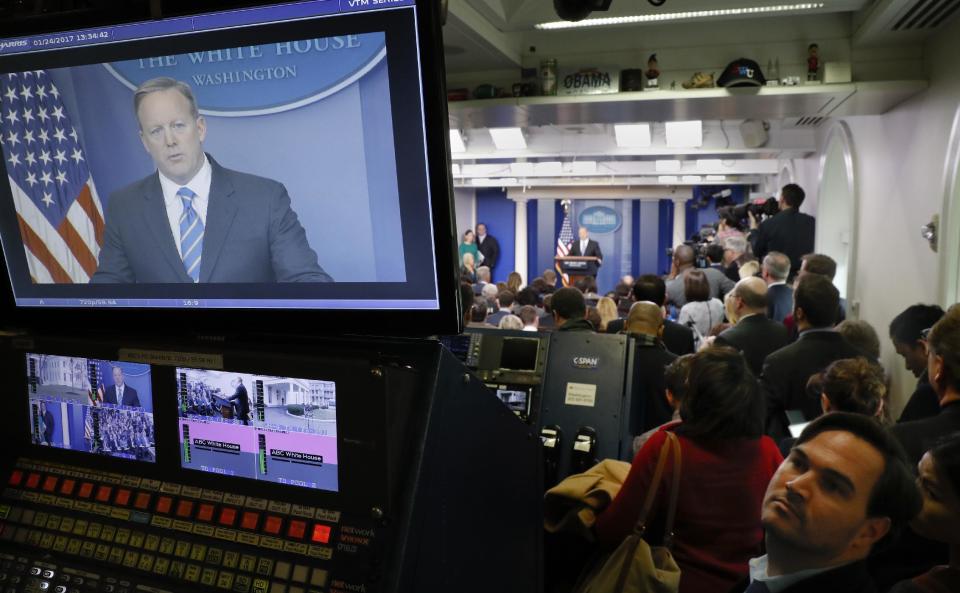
499	213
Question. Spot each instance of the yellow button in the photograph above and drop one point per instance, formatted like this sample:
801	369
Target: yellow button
208	577
282	570
278	588
181	549
300	573
192	573
151	543
123	537
230	559
260	585
166	545
225	580
136	539
146	562
248	562
198	553
318	578
265	566
161	565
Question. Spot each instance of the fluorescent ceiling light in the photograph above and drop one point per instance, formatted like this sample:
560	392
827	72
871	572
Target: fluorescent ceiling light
508	138
692	179
521	169
456	142
684	134
584	167
668	166
548	168
680	16
708	163
716	177
632	135
668	179
456	170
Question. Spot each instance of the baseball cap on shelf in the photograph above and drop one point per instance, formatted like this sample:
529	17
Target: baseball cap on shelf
742	72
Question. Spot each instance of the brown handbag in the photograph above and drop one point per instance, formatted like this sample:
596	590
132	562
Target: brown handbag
636	566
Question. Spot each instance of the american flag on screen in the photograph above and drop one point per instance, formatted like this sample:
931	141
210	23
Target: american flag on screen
58	210
564	239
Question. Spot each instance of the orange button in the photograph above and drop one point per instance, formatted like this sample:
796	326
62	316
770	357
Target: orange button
296	529
163	504
228	516
321	534
66	487
86	489
205	512
272	525
185	508
33	480
15	477
122	498
50	484
142	501
249	520
103	493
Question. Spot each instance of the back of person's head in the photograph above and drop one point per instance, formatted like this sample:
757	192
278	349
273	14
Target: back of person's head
527	296
818	263
501	286
586	285
539	284
593	316
854	385
478	313
894	494
621	290
946	456
736	244
505	299
483	274
751	268
489	292
546	303
906	327
862	336
819	300
939	481
695	286
644	318
650	287
675	376
943	343
550	276
514	281
793	195
607	308
728	217
683	255
777	266
715	253
528	314
510	322
722	399
568	303
466	300
753	292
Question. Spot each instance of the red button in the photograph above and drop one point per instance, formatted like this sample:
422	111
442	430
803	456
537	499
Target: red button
16	477
33	480
184	508
163	504
249	520
85	490
103	493
296	529
122	498
205	512
321	534
50	484
66	487
228	516
272	525
142	501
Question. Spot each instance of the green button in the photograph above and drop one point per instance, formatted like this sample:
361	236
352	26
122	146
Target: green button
208	577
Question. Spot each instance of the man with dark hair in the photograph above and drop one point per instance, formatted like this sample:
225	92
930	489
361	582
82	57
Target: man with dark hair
649	406
845	489
786	371
905	333
818	263
569	310
789	231
775	271
754	334
466	301
683	262
504	308
488	246
715	256
677	338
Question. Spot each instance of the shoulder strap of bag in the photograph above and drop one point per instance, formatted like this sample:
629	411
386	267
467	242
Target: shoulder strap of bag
674	490
641	525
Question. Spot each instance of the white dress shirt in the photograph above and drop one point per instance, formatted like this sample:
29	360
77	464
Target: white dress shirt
200	185
583	246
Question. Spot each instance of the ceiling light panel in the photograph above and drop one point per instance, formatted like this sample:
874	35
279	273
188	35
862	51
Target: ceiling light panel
684	134
667	166
708	164
632	135
548	168
456	142
681	16
521	169
508	138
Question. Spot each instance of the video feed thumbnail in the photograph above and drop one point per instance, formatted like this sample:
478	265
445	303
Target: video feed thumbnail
94	406
262	427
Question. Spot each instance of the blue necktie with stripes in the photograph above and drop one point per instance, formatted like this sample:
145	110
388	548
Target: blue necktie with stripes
191	234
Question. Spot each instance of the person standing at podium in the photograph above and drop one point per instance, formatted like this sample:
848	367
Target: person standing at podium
587	247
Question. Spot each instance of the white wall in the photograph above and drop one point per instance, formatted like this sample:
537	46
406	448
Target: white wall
465	202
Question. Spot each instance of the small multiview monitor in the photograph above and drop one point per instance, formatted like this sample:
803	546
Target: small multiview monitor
100	407
520	354
259	427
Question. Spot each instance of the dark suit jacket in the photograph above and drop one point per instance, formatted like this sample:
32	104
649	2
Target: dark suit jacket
849	578
786	371
648	403
677	338
756	337
251	235
242	400
918	436
49	425
790	232
779	302
924	402
593	250
490	250
130	397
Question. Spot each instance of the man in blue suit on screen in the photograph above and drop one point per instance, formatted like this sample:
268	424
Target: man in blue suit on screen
193	220
120	392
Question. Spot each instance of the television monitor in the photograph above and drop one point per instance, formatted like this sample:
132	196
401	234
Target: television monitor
519	354
101	407
276	429
290	159
515	397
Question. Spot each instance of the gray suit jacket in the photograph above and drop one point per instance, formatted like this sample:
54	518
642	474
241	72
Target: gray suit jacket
251	235
719	286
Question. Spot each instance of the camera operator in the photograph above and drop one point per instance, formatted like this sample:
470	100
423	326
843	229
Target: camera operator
789	231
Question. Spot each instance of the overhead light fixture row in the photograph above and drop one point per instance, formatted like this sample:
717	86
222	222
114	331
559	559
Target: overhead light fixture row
633	135
680	16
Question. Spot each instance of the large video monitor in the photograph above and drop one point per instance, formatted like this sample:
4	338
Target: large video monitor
289	159
93	406
277	429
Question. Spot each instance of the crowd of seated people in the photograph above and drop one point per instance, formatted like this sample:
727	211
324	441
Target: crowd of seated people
125	433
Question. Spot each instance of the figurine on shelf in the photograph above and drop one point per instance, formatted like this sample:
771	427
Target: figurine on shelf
653	72
813	62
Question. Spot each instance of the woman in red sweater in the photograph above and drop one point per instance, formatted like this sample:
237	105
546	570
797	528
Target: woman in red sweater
726	465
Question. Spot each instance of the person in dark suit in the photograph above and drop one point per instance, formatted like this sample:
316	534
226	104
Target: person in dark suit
789	231
905	330
241	401
775	271
754	334
677	338
49	423
845	489
193	220
786	371
649	406
120	392
488	246
587	247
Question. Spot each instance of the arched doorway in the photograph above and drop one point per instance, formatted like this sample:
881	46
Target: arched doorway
949	231
837	209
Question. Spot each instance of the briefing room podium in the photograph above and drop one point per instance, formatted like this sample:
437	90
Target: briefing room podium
578	266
